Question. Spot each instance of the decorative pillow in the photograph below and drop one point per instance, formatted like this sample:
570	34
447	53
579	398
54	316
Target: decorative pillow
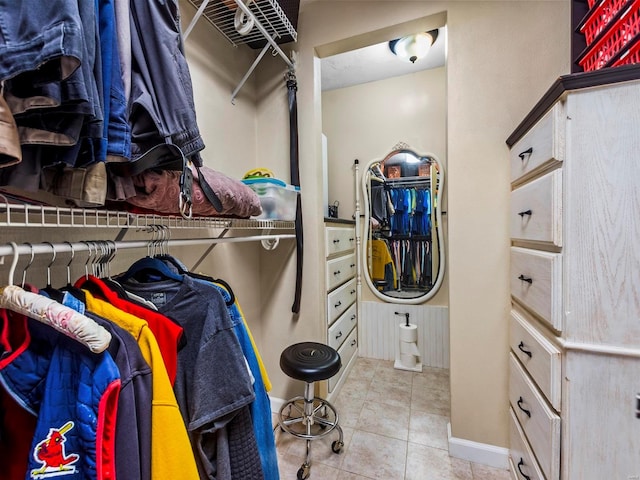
159	191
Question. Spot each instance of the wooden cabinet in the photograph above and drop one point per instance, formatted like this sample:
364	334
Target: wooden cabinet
341	299
575	285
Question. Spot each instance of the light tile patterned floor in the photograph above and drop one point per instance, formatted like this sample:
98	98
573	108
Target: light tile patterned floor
395	428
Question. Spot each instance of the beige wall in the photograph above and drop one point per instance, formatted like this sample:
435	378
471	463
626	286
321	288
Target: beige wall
502	56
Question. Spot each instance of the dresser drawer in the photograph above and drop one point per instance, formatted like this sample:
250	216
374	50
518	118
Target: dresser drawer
340	299
539	356
542	146
340	269
539	422
346	351
339	239
536	281
536	210
526	467
339	331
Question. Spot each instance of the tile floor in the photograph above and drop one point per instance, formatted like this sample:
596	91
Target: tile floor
395	428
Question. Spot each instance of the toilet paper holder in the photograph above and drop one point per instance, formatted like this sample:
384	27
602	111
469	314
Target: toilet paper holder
408	355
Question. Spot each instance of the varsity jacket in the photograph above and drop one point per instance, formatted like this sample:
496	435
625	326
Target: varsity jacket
74	394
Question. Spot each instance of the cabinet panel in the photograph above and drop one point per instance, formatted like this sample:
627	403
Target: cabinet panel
542	146
348	349
539	422
340	299
526	467
604	430
339	239
536	281
339	331
536	210
540	357
340	270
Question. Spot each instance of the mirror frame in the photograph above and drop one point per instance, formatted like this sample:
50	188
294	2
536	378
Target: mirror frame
367	221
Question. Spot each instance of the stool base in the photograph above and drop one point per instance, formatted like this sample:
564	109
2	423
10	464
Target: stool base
310	418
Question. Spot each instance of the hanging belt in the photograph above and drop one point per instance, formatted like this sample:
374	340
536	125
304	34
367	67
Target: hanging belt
292	87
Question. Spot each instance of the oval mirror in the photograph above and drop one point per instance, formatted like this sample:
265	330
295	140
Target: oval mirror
402	247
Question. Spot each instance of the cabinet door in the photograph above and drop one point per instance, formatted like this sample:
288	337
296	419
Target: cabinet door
601	439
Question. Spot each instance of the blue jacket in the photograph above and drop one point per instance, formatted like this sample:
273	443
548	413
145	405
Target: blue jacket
74	394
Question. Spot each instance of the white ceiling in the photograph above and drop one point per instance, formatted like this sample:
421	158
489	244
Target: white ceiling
376	62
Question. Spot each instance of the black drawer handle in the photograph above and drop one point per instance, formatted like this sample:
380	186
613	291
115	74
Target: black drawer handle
528	151
353	317
520	464
351	239
526	212
337	304
520	402
529	280
337	272
526	352
337	240
352	292
338	335
353	343
352	265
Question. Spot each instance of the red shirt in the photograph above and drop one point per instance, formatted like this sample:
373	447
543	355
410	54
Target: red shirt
167	332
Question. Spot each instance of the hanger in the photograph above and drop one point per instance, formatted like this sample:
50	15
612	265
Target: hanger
150	265
53	293
26	267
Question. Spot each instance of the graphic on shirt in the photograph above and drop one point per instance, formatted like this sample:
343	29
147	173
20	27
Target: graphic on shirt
50	453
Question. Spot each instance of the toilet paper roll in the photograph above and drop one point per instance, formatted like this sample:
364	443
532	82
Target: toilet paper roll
409	348
408	333
409	361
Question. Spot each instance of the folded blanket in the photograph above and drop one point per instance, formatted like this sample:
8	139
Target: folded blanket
159	191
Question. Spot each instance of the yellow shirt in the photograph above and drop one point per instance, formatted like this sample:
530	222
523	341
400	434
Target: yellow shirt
171	454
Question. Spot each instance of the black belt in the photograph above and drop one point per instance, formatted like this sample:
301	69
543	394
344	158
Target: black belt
292	87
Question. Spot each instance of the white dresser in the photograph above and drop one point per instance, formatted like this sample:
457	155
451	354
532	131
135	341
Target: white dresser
574	385
342	311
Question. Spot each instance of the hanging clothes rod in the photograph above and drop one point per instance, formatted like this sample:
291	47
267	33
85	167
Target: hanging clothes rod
47	248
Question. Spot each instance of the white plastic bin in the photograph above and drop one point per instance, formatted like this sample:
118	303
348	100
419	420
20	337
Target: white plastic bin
277	198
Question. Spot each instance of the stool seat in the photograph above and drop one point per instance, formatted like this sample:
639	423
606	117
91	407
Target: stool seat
310	361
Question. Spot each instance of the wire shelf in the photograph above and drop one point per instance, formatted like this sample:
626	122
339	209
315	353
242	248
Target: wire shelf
25	215
226	15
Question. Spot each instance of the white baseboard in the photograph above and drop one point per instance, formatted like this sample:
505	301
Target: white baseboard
276	404
475	452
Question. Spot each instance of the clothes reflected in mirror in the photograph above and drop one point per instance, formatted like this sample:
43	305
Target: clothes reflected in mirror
402	244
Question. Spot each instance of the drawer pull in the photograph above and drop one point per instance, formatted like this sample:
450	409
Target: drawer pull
529	280
352	265
526	212
338	335
528	151
352	292
337	304
351	239
337	272
520	464
353	317
353	342
527	412
526	352
337	240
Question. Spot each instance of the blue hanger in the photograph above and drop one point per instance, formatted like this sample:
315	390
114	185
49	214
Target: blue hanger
153	264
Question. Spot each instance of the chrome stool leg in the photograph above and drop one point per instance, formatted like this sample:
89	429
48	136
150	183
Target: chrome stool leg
311	410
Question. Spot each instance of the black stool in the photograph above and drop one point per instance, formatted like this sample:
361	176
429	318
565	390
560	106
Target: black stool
310	417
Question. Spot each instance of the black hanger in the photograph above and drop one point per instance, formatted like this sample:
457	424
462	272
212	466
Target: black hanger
176	263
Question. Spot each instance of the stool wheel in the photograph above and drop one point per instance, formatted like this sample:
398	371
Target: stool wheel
336	446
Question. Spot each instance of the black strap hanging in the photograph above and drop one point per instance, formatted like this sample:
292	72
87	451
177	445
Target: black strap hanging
292	88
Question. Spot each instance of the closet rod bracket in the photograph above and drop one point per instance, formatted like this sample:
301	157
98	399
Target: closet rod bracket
269	243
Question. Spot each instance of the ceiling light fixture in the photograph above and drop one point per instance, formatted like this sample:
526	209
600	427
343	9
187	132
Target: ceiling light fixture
413	47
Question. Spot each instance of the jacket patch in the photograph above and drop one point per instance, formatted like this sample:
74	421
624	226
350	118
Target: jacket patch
51	455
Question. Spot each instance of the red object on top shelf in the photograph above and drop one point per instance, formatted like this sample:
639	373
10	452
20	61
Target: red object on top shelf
599	17
615	42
